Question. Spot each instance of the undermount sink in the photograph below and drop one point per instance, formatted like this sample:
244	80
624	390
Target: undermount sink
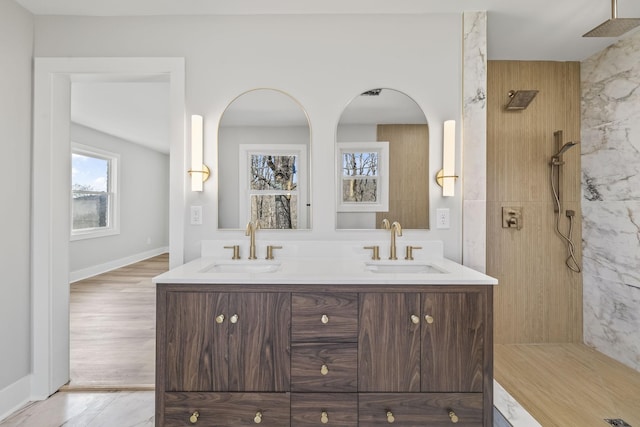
409	267
242	266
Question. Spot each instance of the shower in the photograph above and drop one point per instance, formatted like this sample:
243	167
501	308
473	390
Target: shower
556	163
614	27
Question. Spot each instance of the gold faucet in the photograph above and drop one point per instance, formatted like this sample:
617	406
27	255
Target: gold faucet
396	228
385	224
251	231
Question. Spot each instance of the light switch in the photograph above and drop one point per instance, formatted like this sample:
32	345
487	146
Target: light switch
196	215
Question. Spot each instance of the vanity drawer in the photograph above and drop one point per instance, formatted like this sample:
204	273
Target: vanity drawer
227	409
420	409
324	409
324	317
320	367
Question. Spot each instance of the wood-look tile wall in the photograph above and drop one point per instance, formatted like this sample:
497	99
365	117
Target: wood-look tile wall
538	300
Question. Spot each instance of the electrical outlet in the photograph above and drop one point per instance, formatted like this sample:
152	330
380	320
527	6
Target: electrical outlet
443	220
196	215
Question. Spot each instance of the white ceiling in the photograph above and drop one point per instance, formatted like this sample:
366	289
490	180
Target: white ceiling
517	30
131	110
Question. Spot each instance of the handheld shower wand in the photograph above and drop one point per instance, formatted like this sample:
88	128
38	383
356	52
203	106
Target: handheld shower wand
555	163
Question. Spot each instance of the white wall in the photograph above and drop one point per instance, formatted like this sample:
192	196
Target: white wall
144	203
323	61
16	47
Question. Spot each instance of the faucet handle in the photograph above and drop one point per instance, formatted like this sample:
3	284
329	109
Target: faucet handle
409	254
236	251
376	252
270	249
385	224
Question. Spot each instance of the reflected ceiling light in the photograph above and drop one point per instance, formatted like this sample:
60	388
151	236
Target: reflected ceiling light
446	177
199	171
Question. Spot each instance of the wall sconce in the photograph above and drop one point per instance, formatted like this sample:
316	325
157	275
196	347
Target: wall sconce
446	177
199	171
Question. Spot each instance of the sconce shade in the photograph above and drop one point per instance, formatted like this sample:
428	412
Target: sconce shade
199	172
447	176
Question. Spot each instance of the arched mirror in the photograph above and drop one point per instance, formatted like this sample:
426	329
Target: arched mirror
382	162
263	162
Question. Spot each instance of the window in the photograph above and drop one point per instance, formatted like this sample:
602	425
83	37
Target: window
94	192
272	186
363	176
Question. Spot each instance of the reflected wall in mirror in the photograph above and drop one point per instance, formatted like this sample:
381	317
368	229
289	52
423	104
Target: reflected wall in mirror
263	162
389	115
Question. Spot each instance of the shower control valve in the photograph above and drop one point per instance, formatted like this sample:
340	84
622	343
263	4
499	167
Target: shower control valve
512	217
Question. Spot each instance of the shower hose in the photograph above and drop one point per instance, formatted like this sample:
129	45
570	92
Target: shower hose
571	261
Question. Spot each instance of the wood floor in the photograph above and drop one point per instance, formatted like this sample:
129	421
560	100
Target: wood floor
112	328
568	385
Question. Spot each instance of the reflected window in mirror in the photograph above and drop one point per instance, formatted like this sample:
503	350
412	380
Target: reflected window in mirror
392	116
363	185
264	143
270	185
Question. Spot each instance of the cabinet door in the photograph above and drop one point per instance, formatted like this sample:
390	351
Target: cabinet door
389	342
196	346
259	347
452	342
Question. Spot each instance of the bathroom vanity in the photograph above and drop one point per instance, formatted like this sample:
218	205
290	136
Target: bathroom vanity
310	341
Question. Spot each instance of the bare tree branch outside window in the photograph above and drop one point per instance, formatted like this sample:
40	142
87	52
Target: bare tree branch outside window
274	187
359	177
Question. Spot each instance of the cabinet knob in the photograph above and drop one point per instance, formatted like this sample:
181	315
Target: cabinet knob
453	416
234	318
194	417
390	418
324	418
324	319
324	370
429	319
220	318
415	319
258	418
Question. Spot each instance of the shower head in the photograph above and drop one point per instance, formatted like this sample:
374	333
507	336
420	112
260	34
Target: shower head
565	147
614	27
520	99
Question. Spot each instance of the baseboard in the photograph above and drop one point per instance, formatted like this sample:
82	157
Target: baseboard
15	396
85	273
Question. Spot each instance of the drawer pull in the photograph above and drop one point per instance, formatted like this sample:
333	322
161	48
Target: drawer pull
220	318
324	319
194	417
453	416
258	418
429	319
234	319
324	418
415	319
390	418
324	370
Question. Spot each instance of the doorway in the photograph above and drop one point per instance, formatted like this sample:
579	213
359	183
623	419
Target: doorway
51	210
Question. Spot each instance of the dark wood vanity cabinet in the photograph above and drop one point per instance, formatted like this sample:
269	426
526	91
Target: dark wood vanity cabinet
407	342
337	355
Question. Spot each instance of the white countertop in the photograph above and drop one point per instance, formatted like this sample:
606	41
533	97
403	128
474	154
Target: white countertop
346	263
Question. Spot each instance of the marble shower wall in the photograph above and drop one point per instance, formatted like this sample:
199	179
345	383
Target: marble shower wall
611	200
474	133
